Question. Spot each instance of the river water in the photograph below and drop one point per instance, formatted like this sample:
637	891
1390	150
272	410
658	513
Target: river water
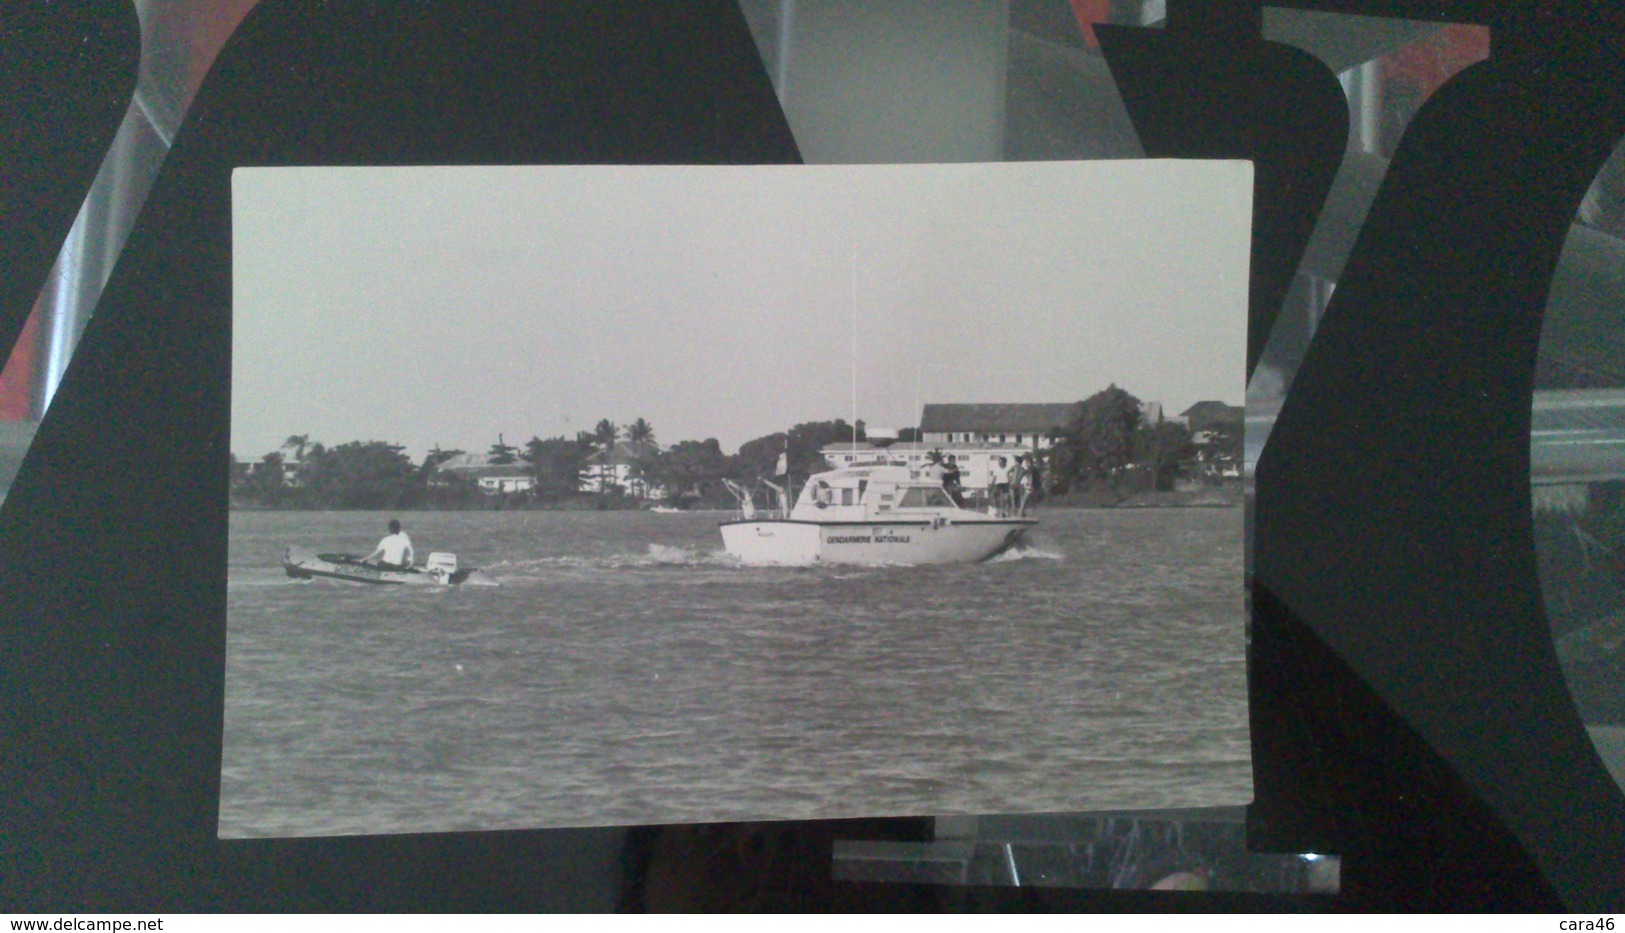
627	671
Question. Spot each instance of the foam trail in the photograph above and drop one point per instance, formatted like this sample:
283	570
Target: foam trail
1027	553
667	554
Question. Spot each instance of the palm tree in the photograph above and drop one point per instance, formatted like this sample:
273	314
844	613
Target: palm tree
641	432
604	435
293	472
502	453
646	471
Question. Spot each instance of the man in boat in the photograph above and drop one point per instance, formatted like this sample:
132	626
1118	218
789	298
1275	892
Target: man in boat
1018	479
951	480
1001	484
394	552
1027	481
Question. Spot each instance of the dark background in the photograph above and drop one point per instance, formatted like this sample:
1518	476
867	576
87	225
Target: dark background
1408	709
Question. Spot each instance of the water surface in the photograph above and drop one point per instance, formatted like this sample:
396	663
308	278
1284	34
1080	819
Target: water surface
628	671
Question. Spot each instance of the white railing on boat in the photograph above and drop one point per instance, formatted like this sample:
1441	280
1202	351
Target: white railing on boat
738	515
974	500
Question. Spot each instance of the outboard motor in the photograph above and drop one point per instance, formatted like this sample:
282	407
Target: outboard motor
442	564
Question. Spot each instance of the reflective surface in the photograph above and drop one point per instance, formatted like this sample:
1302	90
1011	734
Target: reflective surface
1195	850
1573	519
179	41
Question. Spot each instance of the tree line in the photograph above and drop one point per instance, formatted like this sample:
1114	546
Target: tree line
1107	445
1110	445
378	475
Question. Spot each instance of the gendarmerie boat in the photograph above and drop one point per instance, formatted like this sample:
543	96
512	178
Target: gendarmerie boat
875	514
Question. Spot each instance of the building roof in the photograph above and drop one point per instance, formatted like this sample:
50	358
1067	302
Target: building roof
477	468
464	462
1026	417
910	447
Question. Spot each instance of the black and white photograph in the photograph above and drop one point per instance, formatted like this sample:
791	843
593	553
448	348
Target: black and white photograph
618	495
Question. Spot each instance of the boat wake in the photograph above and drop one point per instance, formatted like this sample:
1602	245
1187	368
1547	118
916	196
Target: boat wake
662	557
656	556
1026	552
664	554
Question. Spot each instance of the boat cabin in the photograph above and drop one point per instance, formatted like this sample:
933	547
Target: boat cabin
873	492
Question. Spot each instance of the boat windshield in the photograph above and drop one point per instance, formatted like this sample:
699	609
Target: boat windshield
925	497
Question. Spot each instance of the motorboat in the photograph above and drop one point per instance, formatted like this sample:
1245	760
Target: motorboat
884	513
440	570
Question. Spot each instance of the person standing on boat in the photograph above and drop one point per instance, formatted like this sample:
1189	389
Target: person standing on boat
1027	482
1001	485
394	551
951	480
1018	483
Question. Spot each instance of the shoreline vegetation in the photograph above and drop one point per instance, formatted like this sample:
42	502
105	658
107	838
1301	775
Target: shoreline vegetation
1110	456
1227	495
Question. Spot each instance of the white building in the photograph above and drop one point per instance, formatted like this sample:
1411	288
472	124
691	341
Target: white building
616	466
490	477
974	459
976	435
1024	424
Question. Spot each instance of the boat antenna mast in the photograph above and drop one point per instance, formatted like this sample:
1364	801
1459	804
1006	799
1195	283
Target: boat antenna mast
782	468
854	304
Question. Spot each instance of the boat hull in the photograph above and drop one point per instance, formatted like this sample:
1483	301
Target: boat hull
789	542
305	564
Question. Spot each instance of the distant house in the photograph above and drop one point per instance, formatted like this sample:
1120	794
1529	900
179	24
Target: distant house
1021	424
1209	423
490	477
846	453
976	435
1206	419
1211	416
607	469
974	459
292	470
1025	424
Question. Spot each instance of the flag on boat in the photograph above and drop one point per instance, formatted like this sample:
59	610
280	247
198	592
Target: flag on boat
783	466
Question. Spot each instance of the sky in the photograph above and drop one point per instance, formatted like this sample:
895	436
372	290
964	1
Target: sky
443	306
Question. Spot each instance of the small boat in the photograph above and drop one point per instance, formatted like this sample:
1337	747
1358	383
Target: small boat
664	510
441	570
869	514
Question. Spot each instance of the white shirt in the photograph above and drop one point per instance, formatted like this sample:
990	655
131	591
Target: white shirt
397	548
